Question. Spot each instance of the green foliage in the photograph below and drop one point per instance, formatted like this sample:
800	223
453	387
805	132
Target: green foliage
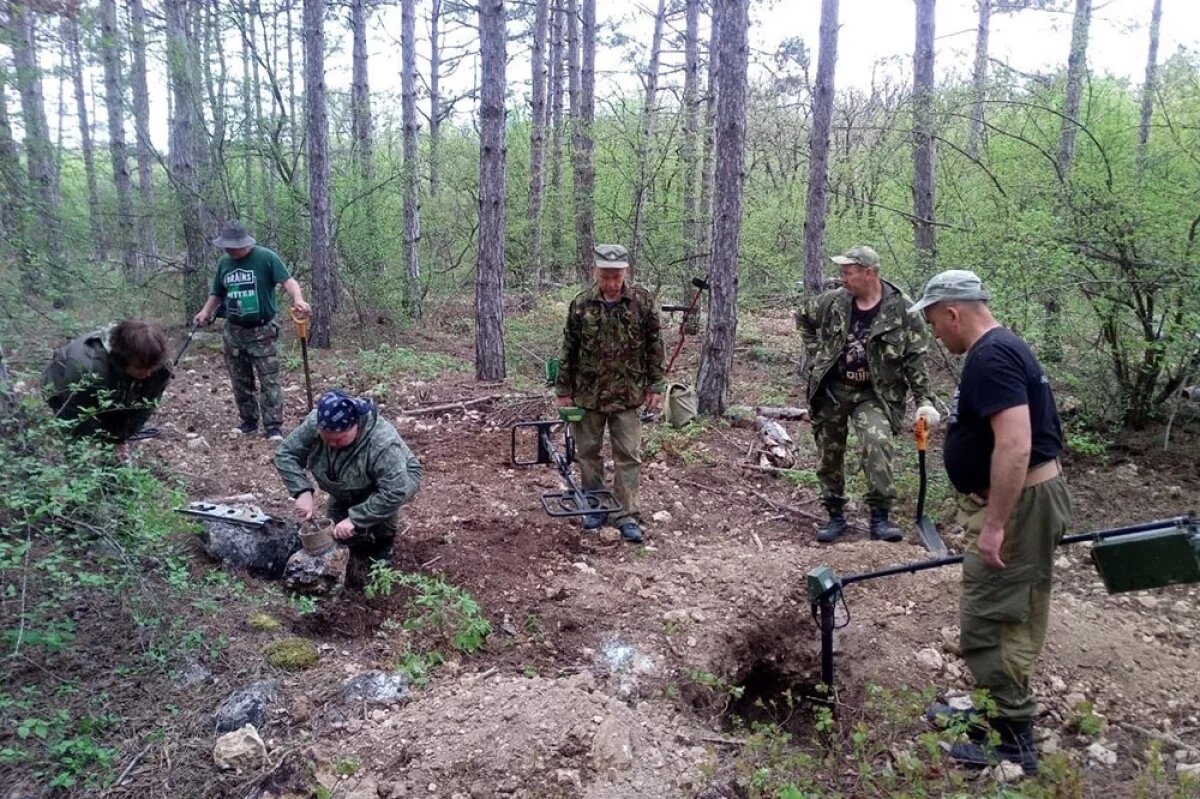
347	767
676	441
435	607
417	665
388	363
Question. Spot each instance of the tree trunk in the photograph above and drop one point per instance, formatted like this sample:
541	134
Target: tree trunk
141	122
923	154
1076	66
489	270
293	127
690	147
1148	88
412	176
39	155
645	181
585	169
324	282
183	71
114	99
558	21
707	163
716	365
12	181
979	79
70	34
435	98
818	148
537	138
268	173
360	91
249	122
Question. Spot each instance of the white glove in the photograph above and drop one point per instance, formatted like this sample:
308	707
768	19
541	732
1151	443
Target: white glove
930	415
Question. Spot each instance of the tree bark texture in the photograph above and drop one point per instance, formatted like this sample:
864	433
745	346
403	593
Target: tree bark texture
557	23
183	72
324	281
1073	94
707	162
39	155
1149	86
817	201
716	365
141	124
249	121
537	137
585	168
923	152
70	33
975	136
435	98
360	90
645	180
690	146
12	178
412	175
114	99
489	270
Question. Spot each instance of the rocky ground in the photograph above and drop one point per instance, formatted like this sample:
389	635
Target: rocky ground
610	670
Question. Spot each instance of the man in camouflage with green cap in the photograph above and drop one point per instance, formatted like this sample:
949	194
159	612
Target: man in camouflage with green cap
612	363
864	354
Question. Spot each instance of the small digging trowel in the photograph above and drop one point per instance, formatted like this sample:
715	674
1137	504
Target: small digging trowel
929	534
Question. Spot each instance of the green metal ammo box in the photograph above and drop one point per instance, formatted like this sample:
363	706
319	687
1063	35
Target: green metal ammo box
1150	559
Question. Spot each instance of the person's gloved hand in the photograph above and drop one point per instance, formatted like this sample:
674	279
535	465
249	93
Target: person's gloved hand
930	415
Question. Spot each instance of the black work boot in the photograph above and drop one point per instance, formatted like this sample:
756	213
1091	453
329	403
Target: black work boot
882	529
834	528
1016	746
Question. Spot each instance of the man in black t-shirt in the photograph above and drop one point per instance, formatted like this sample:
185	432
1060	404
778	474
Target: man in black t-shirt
1001	453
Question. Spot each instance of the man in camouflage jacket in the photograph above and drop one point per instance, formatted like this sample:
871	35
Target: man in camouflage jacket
865	354
361	462
612	363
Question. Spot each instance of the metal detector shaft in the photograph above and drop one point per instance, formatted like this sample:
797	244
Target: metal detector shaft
186	342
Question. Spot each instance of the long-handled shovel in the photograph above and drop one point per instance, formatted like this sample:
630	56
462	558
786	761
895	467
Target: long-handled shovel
301	321
929	534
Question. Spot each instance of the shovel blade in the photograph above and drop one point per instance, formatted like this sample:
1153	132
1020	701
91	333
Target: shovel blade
930	538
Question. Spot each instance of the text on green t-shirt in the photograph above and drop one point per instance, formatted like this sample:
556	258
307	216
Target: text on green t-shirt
248	286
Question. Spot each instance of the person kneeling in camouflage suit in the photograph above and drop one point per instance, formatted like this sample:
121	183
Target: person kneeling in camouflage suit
359	459
864	355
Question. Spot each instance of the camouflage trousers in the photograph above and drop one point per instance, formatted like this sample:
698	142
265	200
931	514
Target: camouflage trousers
374	542
625	432
251	352
1004	612
836	409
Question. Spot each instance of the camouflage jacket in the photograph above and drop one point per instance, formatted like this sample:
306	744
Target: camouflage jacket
84	383
895	353
373	477
611	356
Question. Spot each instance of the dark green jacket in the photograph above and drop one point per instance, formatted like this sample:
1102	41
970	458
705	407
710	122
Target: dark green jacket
373	477
895	352
611	357
86	384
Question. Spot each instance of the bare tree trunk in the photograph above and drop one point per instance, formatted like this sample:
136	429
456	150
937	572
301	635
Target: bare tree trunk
114	99
141	122
707	163
249	123
489	270
979	79
268	173
716	365
70	33
1148	88
323	279
645	181
818	148
435	98
558	20
39	156
537	138
360	91
184	77
12	179
585	169
412	176
690	148
293	126
573	118
1076	67
923	153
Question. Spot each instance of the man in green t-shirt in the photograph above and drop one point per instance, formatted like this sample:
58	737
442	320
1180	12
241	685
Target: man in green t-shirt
245	281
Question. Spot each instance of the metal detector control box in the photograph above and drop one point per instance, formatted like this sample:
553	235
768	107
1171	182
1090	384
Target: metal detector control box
1150	559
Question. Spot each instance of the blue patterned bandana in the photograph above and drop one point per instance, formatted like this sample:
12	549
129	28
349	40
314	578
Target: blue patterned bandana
337	411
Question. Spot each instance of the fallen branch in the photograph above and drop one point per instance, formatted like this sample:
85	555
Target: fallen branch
786	413
792	509
461	405
1165	737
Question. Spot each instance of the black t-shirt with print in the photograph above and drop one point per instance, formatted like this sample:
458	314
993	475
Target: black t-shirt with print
1000	372
853	367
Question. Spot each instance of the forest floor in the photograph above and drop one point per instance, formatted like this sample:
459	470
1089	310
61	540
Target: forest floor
635	671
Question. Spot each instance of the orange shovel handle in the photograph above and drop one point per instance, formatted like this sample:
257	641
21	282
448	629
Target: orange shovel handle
922	433
301	321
